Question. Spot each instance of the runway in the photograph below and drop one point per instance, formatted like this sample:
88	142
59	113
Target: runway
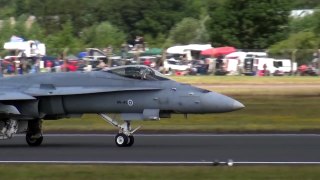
197	148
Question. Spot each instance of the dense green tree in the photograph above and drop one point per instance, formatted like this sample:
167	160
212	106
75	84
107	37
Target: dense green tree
303	44
155	42
64	41
35	32
142	17
7	9
52	14
189	30
20	7
304	39
306	23
19	27
305	4
242	23
6	32
103	35
249	24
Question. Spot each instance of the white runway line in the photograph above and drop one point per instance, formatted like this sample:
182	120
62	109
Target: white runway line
277	163
181	135
160	163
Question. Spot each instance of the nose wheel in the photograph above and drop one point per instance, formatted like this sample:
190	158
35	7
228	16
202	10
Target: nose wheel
125	136
123	140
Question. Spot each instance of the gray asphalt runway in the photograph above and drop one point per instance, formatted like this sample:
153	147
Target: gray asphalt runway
199	148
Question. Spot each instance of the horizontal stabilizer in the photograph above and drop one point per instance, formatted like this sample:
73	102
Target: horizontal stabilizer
58	91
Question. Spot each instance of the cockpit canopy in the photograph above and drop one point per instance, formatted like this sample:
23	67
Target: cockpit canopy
137	72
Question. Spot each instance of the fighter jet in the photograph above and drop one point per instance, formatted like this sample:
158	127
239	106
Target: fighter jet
136	92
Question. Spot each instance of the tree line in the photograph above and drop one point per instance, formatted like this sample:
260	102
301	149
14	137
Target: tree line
246	24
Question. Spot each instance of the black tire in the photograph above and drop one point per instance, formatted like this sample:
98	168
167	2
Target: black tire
121	140
131	141
34	141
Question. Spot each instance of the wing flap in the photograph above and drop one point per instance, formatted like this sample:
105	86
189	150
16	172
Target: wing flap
82	90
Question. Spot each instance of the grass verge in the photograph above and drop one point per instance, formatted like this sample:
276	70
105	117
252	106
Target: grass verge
247	79
157	172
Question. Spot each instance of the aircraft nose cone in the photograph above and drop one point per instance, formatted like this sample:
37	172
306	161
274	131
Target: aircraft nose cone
214	103
237	105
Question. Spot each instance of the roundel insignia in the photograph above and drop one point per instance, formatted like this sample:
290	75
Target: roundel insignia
130	102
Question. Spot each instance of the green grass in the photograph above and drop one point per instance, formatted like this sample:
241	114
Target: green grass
157	172
247	79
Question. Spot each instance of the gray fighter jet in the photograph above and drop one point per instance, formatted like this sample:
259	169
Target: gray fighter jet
135	92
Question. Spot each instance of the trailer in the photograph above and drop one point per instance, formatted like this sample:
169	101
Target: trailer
25	48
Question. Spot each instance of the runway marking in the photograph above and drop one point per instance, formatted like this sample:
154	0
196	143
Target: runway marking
183	135
227	163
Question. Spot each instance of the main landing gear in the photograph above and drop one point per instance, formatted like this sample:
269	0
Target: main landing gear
34	133
125	136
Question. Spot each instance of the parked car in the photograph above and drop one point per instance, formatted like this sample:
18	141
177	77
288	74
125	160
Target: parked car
175	65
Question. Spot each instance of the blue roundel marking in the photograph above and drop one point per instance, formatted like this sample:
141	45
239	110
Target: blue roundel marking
130	102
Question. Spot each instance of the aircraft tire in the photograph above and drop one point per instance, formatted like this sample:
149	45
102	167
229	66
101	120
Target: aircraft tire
131	141
33	142
121	140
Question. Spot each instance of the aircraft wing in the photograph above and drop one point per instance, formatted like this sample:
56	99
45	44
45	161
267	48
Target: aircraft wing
56	91
6	96
7	110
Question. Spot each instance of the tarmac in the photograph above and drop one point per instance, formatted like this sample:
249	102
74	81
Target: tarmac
166	149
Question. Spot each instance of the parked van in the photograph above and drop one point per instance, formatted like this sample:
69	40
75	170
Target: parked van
285	66
242	62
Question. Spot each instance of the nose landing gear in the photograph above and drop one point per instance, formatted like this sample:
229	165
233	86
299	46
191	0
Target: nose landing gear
123	140
125	136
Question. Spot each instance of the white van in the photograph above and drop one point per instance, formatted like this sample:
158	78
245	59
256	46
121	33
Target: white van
285	65
264	63
243	62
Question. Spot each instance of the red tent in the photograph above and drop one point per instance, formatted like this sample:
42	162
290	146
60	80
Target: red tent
215	52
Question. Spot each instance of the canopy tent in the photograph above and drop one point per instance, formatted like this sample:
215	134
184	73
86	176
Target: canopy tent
216	52
82	54
198	47
191	47
176	50
236	55
72	57
152	51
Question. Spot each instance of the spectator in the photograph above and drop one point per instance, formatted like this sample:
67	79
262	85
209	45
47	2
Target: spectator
124	51
48	65
147	62
101	64
265	73
64	66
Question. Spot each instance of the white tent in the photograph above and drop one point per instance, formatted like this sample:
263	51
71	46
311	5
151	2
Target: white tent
236	55
198	47
30	48
176	50
185	48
